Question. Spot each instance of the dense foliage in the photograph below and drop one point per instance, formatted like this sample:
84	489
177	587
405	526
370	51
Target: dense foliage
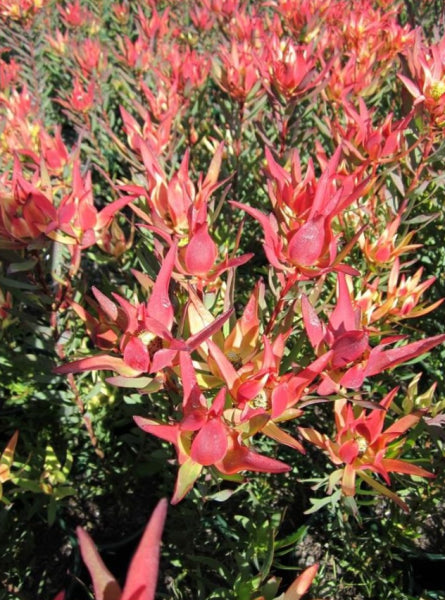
221	282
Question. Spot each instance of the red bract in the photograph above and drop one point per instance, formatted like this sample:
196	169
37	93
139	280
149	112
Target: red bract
369	38
143	571
362	445
403	294
261	396
177	211
140	334
135	54
288	70
59	43
73	15
239	345
81	100
201	18
156	26
427	65
25	134
18	10
224	8
25	212
206	437
53	152
78	218
252	27
121	12
353	359
199	258
154	135
165	101
399	299
9	72
303	16
166	105
302	583
187	68
63	212
387	247
20	122
236	72
365	142
91	57
169	203
299	586
258	388
299	236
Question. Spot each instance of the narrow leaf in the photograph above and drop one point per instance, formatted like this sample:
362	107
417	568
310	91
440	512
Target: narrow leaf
104	584
143	572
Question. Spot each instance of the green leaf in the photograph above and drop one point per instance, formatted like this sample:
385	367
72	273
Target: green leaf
12	283
28	484
52	511
381	489
63	491
188	473
221	496
318	503
292	538
25	265
269	554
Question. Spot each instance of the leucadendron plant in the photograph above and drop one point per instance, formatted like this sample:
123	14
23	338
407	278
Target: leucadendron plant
217	248
142	576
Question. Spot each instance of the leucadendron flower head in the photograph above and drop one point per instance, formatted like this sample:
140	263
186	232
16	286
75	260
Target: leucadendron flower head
138	337
361	445
206	436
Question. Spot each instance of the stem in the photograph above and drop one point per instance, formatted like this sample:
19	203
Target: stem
281	300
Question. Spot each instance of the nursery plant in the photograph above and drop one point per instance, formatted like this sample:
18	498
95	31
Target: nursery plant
221	282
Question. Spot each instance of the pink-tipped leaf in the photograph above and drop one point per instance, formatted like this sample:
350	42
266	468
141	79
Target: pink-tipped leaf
159	306
104	584
201	252
143	572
